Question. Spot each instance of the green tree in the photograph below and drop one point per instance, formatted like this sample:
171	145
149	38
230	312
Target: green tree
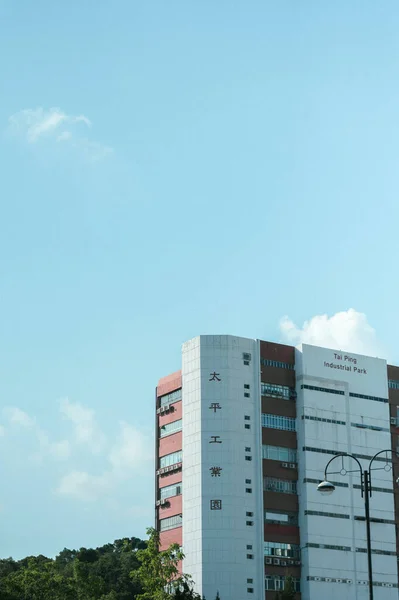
158	572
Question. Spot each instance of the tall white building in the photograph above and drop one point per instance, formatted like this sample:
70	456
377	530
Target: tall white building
244	433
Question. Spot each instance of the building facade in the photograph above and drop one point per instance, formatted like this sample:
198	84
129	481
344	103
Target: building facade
244	432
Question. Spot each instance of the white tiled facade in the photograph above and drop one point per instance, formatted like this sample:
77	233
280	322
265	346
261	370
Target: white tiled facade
368	377
215	541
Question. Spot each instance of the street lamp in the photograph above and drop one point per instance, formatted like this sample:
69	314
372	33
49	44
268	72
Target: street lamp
326	488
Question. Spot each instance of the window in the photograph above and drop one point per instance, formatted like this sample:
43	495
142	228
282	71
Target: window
248	490
279	453
276	583
247	418
377	551
170	459
170	428
372	427
247	386
248	458
281	518
266	362
311	418
280	549
330	547
247	395
284	486
249	514
170	398
248	481
394	385
170	523
249	546
250	590
246	356
249	523
250	580
250	556
247	449
276	391
320	389
375	398
246	426
318	513
170	490
277	422
334	452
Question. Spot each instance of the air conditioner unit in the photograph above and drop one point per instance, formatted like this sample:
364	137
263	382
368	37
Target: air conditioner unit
268	561
317	579
389	585
298	562
292	466
285	465
283	563
393	420
164	502
349	581
339	580
276	561
328	579
158	502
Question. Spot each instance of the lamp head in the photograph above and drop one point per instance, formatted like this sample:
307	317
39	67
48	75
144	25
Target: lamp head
326	488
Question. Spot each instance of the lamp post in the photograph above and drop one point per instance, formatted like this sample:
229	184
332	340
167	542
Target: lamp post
327	488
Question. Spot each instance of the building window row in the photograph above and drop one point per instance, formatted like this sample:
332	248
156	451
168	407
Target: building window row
278	422
322	389
317	481
376	551
372	427
284	486
376	520
279	453
364	582
276	583
329	547
375	489
170	428
364	397
170	522
170	398
171	490
171	459
393	384
281	550
319	513
335	452
277	391
322	420
281	518
266	362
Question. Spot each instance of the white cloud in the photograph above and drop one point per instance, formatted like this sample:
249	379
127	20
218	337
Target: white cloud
130	454
59	450
41	124
19	417
83	486
85	427
131	451
36	123
347	330
65	135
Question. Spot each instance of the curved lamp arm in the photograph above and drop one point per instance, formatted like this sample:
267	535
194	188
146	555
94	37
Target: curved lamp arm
392	452
341	455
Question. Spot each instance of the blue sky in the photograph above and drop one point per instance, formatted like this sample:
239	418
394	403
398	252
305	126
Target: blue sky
170	169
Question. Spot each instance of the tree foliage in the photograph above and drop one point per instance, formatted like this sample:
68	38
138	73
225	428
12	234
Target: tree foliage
86	574
289	590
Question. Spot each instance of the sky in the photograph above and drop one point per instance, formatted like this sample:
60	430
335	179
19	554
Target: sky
170	169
